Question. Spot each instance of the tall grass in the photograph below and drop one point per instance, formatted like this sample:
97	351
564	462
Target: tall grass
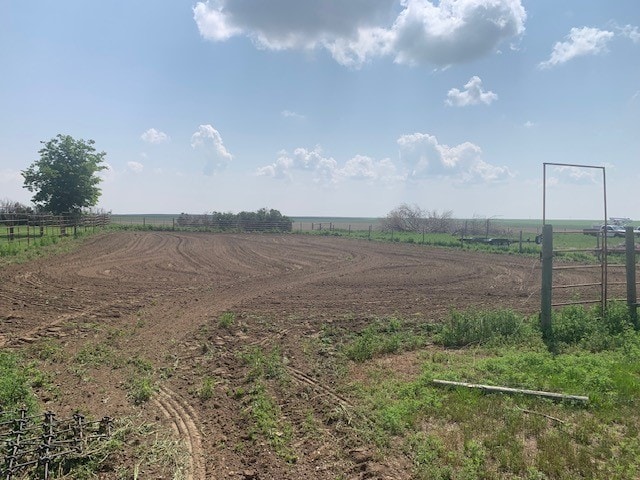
461	433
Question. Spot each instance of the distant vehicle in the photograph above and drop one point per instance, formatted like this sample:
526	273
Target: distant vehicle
613	230
636	230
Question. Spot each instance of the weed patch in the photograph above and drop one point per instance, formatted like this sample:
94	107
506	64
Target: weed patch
17	380
383	337
477	327
462	433
227	319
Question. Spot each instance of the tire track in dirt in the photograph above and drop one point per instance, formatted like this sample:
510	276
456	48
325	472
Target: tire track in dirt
184	422
302	377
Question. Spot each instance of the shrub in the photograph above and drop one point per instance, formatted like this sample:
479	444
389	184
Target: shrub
483	327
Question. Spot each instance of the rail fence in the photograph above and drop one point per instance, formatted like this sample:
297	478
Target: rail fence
28	227
43	446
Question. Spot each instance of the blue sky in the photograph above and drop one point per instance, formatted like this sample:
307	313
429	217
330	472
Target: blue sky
331	107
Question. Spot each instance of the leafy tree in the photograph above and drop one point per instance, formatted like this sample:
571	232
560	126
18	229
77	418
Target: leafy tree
64	178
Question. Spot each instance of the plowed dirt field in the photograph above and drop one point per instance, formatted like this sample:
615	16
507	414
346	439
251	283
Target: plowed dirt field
133	305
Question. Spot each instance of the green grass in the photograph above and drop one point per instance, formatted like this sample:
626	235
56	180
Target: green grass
383	337
17	381
266	371
20	251
227	319
463	433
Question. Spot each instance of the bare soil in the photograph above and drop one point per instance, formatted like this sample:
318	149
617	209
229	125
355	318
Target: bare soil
155	298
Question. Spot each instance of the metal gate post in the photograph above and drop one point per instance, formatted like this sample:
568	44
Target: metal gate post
547	282
632	301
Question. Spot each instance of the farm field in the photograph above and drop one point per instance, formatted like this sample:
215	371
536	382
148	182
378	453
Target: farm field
223	351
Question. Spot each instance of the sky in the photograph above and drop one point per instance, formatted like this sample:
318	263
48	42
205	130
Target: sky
332	107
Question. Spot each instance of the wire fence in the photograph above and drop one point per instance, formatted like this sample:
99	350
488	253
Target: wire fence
25	227
43	446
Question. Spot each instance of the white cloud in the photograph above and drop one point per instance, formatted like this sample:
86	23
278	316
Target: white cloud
579	42
212	21
208	140
325	170
529	124
362	167
574	175
473	94
631	32
425	157
354	31
454	31
290	114
135	167
154	136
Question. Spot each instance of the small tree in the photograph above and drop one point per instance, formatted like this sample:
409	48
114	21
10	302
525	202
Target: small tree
64	178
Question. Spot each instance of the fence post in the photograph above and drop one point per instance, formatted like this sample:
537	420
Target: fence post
520	244
632	301
369	232
547	282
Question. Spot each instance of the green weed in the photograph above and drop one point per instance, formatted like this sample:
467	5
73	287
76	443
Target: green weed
16	382
263	364
270	423
207	389
141	389
382	337
478	327
465	434
226	319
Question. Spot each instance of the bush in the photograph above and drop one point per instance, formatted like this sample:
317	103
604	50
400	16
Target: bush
481	327
588	328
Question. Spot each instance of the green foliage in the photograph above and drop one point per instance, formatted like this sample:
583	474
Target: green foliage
94	355
226	319
270	423
261	220
476	327
207	389
16	380
141	389
64	178
263	364
463	433
382	337
588	328
260	406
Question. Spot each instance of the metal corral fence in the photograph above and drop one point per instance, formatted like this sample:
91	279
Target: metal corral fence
43	446
24	227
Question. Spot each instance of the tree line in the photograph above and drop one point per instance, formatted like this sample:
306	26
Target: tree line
261	220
